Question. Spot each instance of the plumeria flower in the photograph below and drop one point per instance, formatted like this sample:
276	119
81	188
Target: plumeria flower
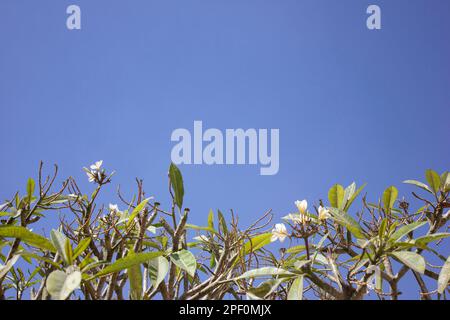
95	171
297	218
323	213
113	208
294	217
302	217
302	206
279	232
91	176
96	166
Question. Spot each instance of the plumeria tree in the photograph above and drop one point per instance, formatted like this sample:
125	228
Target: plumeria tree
136	249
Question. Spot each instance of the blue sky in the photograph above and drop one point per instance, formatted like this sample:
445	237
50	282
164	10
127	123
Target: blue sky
351	104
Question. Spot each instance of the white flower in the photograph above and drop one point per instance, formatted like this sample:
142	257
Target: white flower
302	206
96	166
304	218
91	176
323	213
297	218
279	232
113	207
95	171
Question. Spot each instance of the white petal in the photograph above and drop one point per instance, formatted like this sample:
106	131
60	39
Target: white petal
301	205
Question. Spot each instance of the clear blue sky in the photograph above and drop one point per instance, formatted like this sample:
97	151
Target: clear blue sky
351	104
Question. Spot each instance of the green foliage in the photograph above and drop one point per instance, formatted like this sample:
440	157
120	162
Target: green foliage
336	196
404	230
433	179
345	220
143	251
257	242
128	262
176	182
30	189
158	269
444	276
185	260
60	243
265	272
411	259
26	236
296	289
389	198
61	284
135	276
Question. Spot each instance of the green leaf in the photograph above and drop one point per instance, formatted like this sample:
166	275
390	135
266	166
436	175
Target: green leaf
211	220
349	191
353	197
69	252
389	197
176	181
296	249
137	210
185	260
59	241
158	269
336	196
194	227
5	269
26	236
296	290
382	230
263	290
60	284
345	220
257	242
30	189
419	184
411	259
127	262
433	179
83	245
135	277
264	272
430	238
7	214
222	222
403	231
445	181
444	276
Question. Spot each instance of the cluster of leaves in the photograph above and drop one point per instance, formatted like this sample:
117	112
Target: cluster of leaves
146	252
